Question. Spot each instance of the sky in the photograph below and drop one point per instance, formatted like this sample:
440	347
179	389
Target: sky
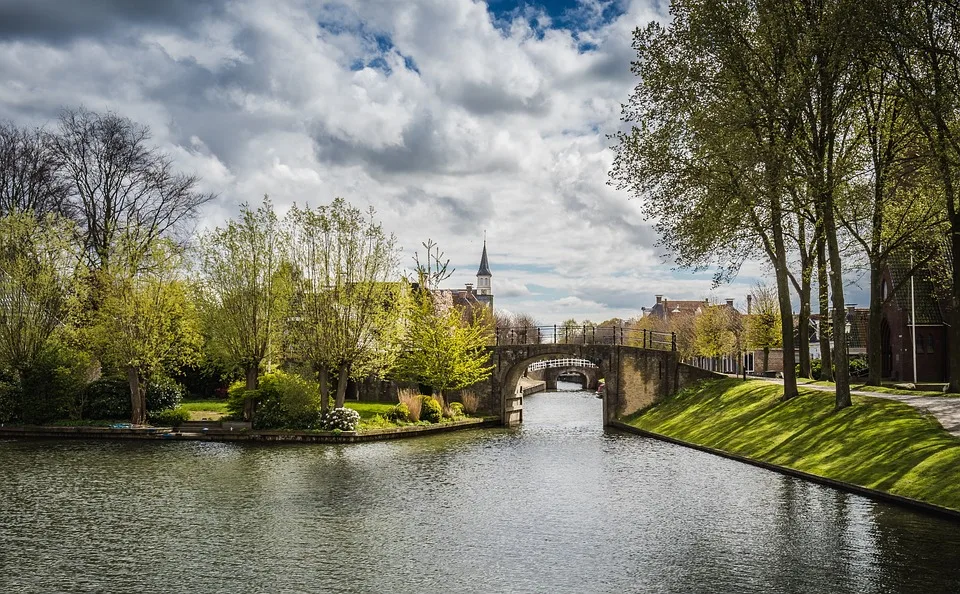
452	118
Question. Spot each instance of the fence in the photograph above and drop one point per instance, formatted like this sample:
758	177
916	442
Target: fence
595	335
551	363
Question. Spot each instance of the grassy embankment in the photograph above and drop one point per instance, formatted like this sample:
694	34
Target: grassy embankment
879	444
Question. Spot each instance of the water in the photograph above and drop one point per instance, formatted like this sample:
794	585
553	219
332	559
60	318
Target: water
558	505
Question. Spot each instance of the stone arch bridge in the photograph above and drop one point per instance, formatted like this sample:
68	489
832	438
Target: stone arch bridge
636	374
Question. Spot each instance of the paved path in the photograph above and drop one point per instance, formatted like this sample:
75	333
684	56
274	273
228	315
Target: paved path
944	409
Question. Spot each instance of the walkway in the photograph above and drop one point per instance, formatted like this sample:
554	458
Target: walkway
945	409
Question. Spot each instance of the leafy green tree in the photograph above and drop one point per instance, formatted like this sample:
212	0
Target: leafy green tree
717	331
764	330
146	323
37	262
243	289
346	314
440	349
716	114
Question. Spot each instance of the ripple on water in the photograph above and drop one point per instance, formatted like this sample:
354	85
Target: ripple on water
557	505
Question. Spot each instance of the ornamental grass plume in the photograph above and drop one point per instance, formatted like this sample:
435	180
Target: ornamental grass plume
411	398
471	401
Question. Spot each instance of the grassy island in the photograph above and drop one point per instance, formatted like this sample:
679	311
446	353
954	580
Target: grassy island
878	444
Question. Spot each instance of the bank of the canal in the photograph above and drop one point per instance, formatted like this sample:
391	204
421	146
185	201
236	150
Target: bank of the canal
876	447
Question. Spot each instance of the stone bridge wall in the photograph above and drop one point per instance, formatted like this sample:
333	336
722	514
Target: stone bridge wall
635	378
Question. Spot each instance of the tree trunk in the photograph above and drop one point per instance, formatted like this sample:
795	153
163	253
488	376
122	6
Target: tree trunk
343	374
874	351
252	375
766	359
783	295
954	385
323	376
826	360
138	399
804	322
842	379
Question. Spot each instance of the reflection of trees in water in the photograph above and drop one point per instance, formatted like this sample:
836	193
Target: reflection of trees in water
918	552
846	543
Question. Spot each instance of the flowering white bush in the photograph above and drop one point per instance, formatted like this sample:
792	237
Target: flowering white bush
344	419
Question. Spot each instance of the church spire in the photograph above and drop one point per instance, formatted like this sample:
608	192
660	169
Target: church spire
484	266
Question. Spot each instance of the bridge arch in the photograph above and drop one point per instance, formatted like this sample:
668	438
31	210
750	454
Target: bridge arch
634	377
550	370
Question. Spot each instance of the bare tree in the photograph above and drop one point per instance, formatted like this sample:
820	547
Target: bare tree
28	173
120	187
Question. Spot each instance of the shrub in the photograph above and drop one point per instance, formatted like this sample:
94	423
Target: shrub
453	410
411	399
430	409
399	414
107	398
52	387
163	393
283	401
858	366
171	416
815	368
340	419
9	402
471	401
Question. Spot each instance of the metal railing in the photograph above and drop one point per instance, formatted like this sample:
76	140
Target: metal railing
568	362
586	335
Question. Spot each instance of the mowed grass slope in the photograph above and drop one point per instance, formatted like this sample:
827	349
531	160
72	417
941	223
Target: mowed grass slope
876	443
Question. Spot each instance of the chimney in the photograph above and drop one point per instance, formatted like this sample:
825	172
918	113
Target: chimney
850	308
659	298
469	288
749	304
730	303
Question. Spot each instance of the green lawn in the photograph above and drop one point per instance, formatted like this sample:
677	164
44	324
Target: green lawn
881	444
205	409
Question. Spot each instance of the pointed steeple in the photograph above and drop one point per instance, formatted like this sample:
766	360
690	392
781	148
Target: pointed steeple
484	266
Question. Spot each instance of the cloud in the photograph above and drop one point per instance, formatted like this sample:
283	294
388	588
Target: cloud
451	117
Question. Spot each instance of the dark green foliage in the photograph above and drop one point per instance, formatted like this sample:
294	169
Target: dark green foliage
48	390
399	414
9	402
107	398
283	401
815	368
858	367
430	409
164	393
171	416
208	379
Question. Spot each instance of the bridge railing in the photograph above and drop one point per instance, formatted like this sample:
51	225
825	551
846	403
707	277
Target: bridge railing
567	362
610	335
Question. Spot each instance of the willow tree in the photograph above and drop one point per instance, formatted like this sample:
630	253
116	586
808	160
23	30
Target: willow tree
146	323
243	290
37	262
714	119
345	314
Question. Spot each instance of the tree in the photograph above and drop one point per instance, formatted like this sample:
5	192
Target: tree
36	269
122	191
146	323
440	349
717	332
923	41
716	114
764	329
29	175
346	305
243	291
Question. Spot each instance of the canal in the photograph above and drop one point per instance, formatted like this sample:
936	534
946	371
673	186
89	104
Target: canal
558	505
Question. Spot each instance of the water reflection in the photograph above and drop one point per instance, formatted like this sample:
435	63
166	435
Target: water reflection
557	505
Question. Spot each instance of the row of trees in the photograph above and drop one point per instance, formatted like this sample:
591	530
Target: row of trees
819	135
94	255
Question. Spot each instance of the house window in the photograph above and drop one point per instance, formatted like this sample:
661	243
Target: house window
930	348
920	349
883	289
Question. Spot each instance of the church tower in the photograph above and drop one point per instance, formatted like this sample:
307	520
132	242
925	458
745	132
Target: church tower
484	291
